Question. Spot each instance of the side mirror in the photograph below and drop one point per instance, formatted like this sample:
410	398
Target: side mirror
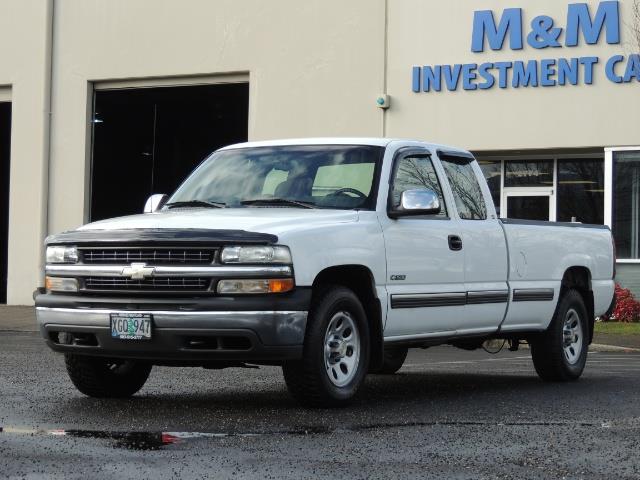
155	202
416	202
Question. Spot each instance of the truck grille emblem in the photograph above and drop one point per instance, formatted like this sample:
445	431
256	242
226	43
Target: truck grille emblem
138	271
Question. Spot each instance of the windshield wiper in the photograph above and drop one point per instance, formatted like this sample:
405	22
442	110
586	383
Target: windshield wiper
196	203
279	201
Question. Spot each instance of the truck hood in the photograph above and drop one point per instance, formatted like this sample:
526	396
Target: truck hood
264	220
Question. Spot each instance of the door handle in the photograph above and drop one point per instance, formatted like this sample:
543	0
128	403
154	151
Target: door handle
455	243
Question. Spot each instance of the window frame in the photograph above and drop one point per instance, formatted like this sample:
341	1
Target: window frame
416	152
609	154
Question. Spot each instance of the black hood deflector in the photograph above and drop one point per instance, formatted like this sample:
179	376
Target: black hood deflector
160	236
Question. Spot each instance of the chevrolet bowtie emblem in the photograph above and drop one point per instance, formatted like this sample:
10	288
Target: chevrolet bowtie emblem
138	271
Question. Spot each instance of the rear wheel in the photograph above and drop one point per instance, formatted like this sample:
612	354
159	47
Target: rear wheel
103	378
336	351
560	353
392	360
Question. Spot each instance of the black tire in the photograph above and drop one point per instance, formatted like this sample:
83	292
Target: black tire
548	349
102	378
392	360
308	380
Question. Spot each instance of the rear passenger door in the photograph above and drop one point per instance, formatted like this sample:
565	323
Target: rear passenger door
425	275
483	243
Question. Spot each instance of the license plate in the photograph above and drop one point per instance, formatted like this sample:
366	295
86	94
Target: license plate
131	326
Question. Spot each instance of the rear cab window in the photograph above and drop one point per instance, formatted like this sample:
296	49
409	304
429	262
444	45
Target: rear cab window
465	187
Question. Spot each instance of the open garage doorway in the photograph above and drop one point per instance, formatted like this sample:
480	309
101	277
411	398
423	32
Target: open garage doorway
5	155
147	140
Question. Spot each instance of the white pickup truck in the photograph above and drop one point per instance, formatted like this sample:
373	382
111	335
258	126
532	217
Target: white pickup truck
328	257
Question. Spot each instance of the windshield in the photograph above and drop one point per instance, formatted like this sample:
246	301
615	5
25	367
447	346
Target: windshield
319	176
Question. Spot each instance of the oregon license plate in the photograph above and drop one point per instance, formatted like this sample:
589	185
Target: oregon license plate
131	326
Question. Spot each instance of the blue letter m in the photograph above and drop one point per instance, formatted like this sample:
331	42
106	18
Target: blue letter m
484	25
579	18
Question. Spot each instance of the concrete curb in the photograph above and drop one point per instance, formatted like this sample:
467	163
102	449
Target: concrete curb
598	347
595	347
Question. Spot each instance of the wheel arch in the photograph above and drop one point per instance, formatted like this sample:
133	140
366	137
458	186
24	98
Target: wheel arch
360	279
579	278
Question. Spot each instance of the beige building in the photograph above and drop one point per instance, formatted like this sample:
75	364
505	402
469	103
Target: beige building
108	101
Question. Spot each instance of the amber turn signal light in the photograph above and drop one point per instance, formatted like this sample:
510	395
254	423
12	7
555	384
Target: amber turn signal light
280	285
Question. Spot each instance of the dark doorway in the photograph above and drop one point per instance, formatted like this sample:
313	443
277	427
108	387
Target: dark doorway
528	207
5	155
148	140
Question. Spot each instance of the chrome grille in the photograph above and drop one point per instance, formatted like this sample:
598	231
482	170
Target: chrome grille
159	284
151	256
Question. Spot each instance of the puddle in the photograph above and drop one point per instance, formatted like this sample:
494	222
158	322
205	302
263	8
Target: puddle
128	440
154	440
124	440
159	440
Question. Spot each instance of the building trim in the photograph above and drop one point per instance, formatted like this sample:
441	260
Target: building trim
608	188
171	81
622	149
5	94
560	155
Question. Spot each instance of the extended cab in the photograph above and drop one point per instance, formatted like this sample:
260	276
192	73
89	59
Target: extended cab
329	257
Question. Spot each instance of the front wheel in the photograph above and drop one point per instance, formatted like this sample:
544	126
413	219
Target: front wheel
560	353
102	378
336	351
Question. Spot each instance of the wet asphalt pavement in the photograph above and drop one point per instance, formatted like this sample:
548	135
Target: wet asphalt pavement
447	414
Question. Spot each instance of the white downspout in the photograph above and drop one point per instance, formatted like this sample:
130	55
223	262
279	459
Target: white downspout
46	144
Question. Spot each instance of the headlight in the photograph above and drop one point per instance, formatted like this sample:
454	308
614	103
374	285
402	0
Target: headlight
56	284
278	285
256	254
62	255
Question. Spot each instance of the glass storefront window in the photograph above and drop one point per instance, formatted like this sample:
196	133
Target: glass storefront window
492	170
626	203
528	173
580	191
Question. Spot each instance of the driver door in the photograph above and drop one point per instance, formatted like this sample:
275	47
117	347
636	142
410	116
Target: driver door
425	270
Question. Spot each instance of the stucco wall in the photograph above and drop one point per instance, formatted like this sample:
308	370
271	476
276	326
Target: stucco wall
603	114
23	72
314	68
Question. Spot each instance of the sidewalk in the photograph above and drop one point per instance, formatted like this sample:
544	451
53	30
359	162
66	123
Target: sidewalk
23	319
18	319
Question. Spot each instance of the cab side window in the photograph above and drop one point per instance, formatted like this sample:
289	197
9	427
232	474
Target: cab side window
465	187
416	172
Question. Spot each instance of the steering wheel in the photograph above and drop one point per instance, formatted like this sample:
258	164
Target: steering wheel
357	193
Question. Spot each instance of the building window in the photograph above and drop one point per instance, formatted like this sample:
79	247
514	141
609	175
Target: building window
581	191
557	189
626	203
528	173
